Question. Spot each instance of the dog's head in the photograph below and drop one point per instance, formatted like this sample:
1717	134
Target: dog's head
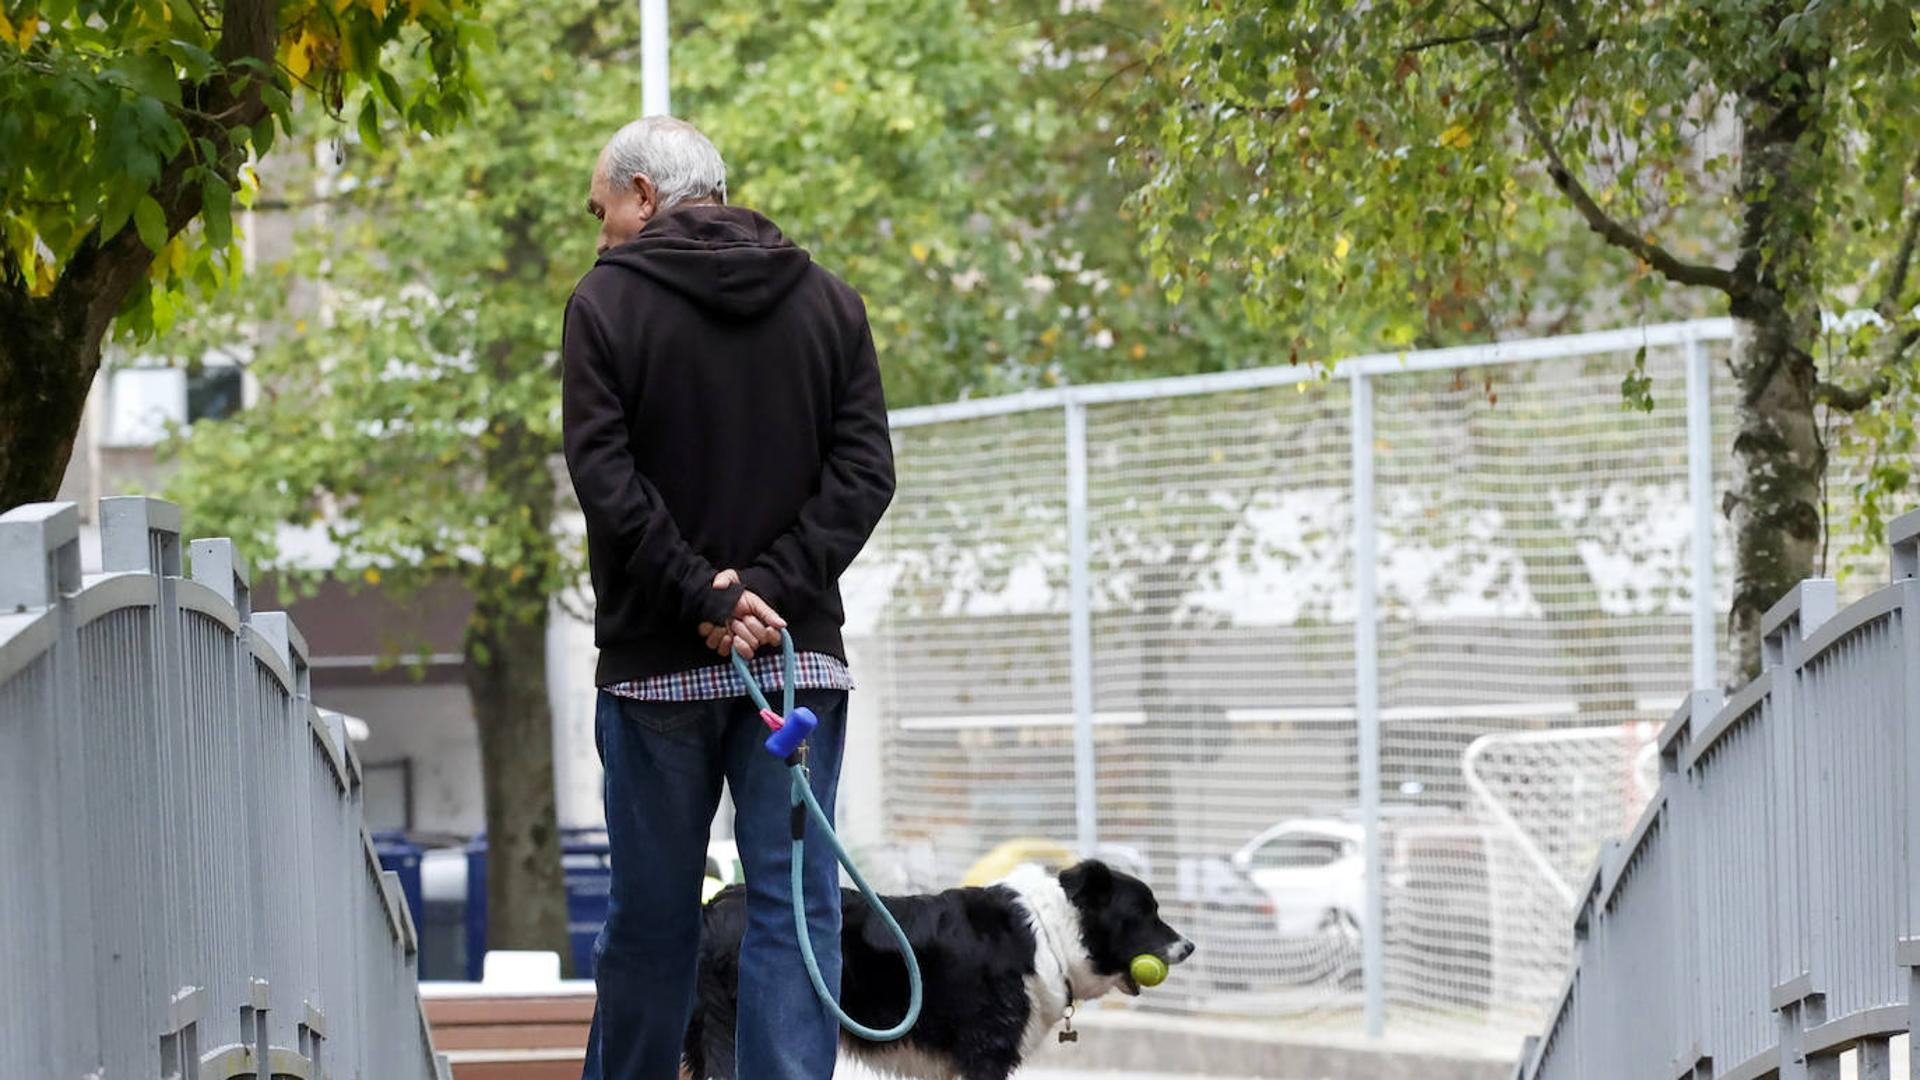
1119	920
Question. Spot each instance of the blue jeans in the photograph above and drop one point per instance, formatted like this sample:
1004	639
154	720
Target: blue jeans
664	762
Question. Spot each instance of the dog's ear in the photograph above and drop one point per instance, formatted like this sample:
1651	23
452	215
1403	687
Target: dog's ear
1089	883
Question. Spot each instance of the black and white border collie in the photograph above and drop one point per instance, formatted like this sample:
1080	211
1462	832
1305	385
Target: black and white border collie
1000	967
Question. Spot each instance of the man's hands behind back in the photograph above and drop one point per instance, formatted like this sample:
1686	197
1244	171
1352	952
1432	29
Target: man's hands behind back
754	623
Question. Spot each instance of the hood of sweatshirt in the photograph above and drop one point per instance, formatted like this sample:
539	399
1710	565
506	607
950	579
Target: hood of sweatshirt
727	259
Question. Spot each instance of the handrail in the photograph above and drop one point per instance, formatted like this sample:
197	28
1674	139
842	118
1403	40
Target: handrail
1781	924
188	827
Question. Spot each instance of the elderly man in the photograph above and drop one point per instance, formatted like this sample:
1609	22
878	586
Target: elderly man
727	437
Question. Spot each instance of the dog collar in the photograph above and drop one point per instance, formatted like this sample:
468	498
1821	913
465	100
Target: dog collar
1067	1034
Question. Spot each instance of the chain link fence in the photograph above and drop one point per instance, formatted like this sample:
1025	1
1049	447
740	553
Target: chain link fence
1146	621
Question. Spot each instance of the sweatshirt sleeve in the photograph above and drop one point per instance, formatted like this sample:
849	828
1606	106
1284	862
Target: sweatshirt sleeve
618	502
856	485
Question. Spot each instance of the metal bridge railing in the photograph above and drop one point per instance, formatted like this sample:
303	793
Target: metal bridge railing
189	892
1762	918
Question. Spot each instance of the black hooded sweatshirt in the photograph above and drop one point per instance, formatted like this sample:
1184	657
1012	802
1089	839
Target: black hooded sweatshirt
722	409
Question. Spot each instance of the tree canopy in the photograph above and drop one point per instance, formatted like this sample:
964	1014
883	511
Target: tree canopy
124	121
1380	165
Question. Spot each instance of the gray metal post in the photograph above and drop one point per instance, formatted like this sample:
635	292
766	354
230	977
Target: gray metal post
1080	629
1366	688
1706	666
655	99
39	568
39	555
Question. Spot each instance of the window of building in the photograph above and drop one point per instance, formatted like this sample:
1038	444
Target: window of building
144	401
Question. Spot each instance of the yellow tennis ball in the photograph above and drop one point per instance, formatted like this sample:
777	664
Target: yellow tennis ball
1149	970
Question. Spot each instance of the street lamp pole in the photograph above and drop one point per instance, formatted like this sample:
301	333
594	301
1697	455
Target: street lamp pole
653	59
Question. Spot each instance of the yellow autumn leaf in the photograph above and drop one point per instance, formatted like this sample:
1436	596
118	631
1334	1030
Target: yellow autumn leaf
372	575
378	7
1341	245
175	255
28	29
1138	352
6	28
920	251
300	55
514	575
43	277
1456	137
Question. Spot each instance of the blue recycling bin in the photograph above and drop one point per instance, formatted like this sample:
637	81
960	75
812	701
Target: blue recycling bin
402	856
587	865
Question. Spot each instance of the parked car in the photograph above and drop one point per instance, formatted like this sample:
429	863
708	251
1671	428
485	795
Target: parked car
1231	920
1313	874
1053	856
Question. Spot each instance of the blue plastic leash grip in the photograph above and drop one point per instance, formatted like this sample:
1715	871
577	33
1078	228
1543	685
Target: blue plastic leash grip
800	724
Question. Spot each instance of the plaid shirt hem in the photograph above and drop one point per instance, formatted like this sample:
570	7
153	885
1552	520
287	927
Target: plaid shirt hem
811	671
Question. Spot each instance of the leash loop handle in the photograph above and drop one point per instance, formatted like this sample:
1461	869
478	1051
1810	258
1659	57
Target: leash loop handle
803	795
790	727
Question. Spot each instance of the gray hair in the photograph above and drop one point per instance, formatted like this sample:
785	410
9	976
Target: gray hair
673	154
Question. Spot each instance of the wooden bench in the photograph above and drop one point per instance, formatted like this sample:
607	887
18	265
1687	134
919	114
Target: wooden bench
520	1034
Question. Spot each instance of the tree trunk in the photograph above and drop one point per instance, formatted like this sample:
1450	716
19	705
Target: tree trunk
506	666
48	358
1779	459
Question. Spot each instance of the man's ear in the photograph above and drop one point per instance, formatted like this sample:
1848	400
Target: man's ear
1090	882
648	194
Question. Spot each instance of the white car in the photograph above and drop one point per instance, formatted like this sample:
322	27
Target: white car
1313	874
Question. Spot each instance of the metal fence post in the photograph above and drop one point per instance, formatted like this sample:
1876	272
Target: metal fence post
237	769
1903	556
39	567
1797	995
1080	630
1706	667
1691	880
1366	687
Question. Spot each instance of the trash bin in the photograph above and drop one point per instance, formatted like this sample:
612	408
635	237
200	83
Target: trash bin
587	866
402	856
443	932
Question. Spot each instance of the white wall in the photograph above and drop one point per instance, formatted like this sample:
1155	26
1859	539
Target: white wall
576	764
432	725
